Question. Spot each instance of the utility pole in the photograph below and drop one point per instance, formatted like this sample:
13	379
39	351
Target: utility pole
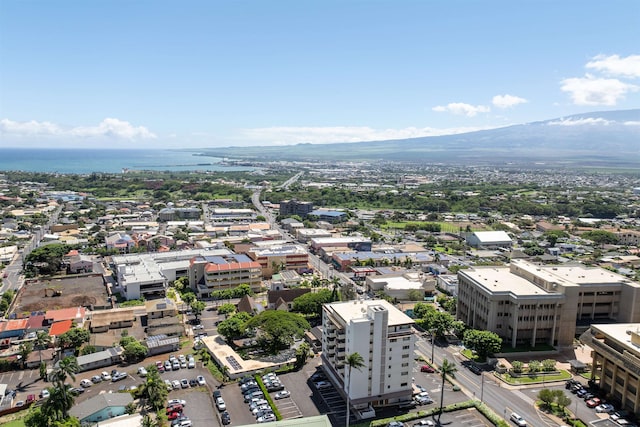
481	386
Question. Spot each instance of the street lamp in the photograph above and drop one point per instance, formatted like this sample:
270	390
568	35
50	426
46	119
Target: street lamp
433	339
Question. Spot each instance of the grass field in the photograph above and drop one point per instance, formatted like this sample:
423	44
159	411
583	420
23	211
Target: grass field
539	379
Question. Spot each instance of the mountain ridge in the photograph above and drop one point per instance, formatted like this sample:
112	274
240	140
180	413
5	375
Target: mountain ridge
601	138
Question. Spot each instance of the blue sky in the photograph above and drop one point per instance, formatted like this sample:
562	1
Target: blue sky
138	74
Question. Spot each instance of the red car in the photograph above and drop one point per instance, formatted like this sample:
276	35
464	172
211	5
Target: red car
427	368
174	408
174	415
160	366
592	403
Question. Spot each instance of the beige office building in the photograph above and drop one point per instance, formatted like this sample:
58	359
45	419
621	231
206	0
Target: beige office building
616	361
526	303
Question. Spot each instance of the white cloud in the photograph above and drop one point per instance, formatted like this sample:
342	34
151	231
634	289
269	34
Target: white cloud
462	109
30	128
506	101
328	135
631	123
590	90
109	128
616	66
578	122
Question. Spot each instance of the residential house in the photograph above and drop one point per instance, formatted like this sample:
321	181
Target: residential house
101	407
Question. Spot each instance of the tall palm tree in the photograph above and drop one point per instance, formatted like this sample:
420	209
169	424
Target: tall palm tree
67	367
354	360
154	389
41	342
447	368
25	350
60	400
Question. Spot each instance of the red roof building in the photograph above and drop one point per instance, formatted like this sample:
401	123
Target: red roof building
59	328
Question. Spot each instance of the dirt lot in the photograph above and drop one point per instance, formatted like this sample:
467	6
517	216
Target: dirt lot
84	290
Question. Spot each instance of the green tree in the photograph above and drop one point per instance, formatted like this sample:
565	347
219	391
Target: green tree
422	309
534	366
43	371
600	237
310	303
197	307
74	338
147	421
234	326
354	360
24	350
547	396
415	295
446	369
67	367
60	400
227	308
42	341
484	343
549	365
277	329
302	353
153	389
517	366
134	351
562	400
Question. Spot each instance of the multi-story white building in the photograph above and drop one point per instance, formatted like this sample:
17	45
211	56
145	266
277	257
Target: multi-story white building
527	303
383	336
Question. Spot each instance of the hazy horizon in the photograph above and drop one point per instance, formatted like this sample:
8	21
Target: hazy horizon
162	75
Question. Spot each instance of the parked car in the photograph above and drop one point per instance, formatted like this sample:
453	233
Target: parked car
142	371
96	379
76	390
592	403
44	394
427	368
216	394
395	424
605	408
175	407
191	364
201	381
167	365
175	384
160	366
226	418
31	398
105	376
322	385
184	383
176	402
282	394
174	415
119	376
424	423
86	383
220	404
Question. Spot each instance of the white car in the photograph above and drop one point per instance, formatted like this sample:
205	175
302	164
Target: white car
201	380
105	376
44	394
282	394
220	404
191	364
177	402
86	383
142	371
518	420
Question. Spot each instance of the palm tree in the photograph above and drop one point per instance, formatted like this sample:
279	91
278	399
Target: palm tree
67	367
154	389
41	342
25	350
354	360
447	368
60	400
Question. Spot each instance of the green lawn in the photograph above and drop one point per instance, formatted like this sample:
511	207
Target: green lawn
563	375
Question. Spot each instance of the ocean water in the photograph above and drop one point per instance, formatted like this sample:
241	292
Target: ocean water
110	161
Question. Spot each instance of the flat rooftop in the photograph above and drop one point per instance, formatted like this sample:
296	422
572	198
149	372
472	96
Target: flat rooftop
574	275
621	332
354	310
500	280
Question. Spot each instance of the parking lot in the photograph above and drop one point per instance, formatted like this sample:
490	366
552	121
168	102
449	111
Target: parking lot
199	408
